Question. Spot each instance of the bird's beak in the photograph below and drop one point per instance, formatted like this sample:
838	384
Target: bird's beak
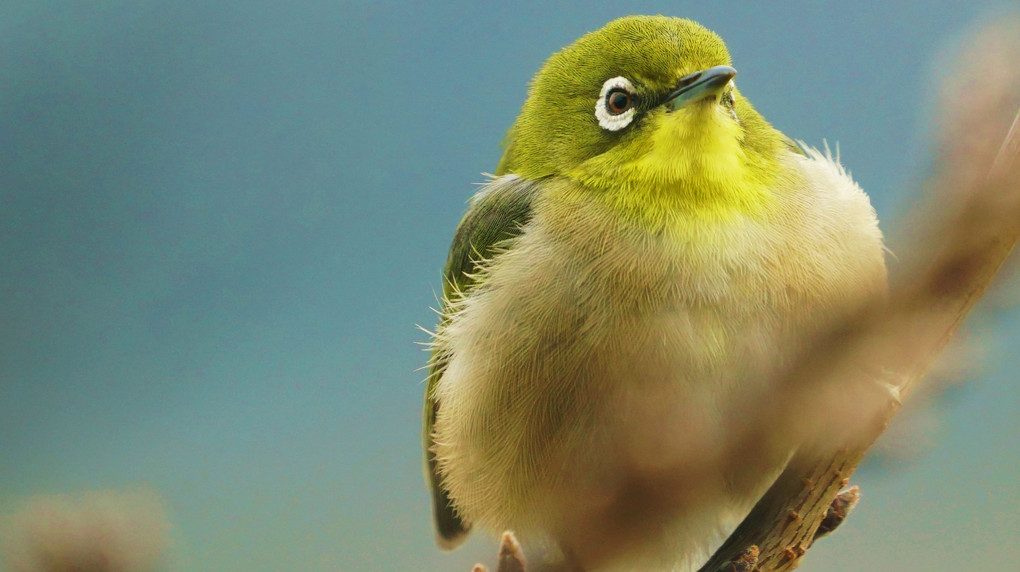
700	85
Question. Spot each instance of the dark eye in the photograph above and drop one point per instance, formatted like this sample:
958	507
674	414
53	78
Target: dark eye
618	101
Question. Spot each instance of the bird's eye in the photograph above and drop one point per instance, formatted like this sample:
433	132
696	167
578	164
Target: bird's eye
615	106
618	101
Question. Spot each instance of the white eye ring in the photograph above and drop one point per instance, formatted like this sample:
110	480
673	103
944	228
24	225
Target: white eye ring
608	120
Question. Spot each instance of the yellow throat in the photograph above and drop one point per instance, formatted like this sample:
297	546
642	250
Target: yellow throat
691	166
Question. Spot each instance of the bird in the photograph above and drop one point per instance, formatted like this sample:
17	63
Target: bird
647	255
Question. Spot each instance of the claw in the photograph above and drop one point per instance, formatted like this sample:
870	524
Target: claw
837	512
511	556
746	562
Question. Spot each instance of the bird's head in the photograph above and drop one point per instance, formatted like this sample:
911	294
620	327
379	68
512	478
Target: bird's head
644	112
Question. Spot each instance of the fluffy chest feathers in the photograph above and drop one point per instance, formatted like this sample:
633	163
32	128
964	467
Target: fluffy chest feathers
592	344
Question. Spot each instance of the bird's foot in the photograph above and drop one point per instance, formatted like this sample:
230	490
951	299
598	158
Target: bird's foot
837	512
746	562
511	555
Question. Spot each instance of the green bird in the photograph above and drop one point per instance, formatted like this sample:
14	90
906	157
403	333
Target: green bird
648	254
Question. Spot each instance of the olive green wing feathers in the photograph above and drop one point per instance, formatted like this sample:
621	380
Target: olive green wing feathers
496	215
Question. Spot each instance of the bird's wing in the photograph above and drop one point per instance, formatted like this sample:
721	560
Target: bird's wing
496	215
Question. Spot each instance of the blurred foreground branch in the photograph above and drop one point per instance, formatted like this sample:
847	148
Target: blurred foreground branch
955	253
844	391
99	531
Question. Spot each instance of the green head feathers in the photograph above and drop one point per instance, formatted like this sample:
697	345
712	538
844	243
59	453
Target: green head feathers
645	111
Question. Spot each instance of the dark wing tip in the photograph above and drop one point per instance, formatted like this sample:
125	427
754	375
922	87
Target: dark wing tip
450	528
450	534
497	214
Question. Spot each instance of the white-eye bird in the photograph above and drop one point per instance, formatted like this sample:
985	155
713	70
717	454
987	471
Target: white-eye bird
649	252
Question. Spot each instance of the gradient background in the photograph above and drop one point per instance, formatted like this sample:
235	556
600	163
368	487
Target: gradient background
219	225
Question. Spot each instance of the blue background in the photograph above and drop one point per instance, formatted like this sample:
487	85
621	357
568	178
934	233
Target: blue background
220	223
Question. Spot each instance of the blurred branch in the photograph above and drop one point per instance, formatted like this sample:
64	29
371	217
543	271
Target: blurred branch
952	262
99	531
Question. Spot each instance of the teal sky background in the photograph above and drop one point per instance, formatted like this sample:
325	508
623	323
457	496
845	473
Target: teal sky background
220	223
